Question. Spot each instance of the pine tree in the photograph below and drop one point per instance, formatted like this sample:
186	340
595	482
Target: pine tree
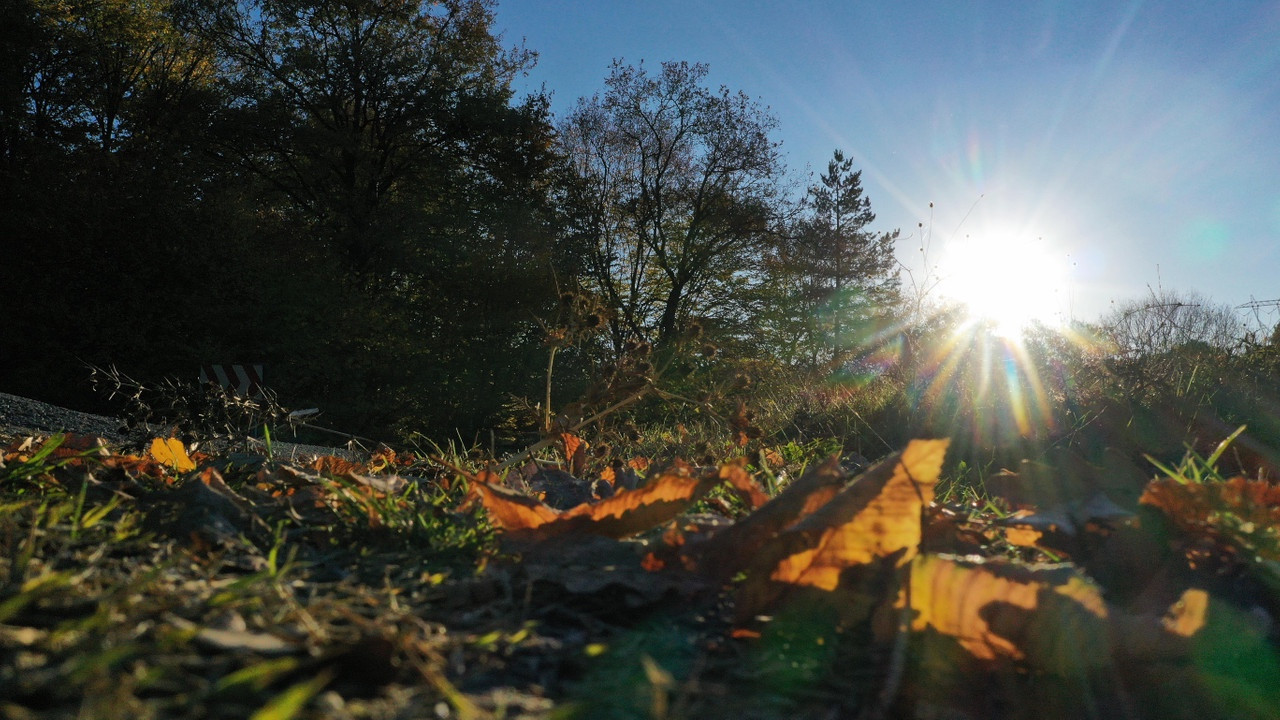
845	273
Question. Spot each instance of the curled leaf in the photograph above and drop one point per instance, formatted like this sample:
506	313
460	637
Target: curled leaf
1051	618
626	513
877	516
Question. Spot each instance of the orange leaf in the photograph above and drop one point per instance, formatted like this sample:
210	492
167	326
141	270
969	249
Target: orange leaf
739	479
875	517
335	465
575	453
1233	513
733	548
1188	614
773	458
171	452
626	513
1052	619
511	510
572	444
633	511
1022	536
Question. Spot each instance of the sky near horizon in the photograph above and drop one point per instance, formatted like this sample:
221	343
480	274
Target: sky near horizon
1135	145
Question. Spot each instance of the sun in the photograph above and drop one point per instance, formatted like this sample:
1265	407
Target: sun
1006	279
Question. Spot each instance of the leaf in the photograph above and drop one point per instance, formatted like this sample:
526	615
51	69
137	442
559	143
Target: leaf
170	452
575	453
741	425
335	465
746	486
730	550
875	517
1022	536
1051	618
1239	514
511	510
1187	616
626	513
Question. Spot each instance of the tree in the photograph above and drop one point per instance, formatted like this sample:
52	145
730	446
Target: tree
400	176
679	183
1168	320
370	118
98	104
839	275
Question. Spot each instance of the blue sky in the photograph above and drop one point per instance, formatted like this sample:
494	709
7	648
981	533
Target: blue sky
1137	143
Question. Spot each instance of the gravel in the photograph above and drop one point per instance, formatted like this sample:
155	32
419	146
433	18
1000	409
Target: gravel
21	416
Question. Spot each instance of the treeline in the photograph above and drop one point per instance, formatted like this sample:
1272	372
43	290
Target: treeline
350	192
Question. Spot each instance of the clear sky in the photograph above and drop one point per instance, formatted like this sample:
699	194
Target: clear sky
1133	144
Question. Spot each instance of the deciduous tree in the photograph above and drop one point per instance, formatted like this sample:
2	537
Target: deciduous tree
681	185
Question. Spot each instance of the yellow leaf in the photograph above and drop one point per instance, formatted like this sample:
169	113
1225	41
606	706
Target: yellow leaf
873	527
171	452
1050	618
877	516
1187	615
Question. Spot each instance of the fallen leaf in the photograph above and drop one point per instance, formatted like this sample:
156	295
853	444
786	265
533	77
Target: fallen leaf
746	486
731	549
1051	618
1236	515
511	510
1187	615
575	453
1022	536
875	517
171	453
626	513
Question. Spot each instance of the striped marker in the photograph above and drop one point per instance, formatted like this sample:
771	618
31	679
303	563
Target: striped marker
243	380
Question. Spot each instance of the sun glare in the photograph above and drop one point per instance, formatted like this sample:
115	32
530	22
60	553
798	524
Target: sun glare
1006	280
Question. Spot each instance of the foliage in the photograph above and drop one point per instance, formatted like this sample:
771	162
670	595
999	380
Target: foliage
834	282
680	186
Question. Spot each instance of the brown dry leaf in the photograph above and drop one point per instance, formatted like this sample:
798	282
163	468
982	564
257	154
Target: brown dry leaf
575	453
511	510
741	425
634	511
733	548
335	465
1022	536
773	458
74	445
388	484
626	513
746	486
1050	618
1235	513
170	452
875	517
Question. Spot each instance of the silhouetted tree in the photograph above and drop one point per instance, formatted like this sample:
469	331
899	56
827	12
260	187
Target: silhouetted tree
838	277
680	186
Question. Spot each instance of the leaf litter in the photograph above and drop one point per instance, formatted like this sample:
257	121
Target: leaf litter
174	584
